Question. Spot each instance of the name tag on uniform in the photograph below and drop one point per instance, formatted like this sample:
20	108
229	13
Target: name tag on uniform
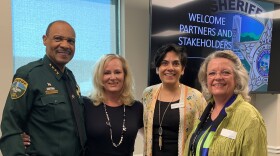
228	133
177	105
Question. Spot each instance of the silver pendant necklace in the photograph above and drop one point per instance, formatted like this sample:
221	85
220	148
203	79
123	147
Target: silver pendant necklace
108	123
160	130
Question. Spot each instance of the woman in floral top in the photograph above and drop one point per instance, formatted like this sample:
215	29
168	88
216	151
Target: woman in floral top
170	108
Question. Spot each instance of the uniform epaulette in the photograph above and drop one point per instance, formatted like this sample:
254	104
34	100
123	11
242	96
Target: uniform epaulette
24	70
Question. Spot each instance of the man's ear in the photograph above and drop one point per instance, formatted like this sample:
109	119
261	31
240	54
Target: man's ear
44	39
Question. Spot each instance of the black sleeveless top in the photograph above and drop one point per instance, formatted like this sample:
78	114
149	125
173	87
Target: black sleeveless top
170	126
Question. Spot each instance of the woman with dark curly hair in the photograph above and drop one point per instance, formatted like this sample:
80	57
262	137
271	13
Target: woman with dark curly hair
170	108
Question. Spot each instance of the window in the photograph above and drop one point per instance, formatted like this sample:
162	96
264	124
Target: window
95	23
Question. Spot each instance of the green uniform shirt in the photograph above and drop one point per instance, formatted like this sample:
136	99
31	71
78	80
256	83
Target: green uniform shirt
39	105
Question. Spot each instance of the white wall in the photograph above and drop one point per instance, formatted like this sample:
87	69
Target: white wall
135	38
136	46
269	107
6	63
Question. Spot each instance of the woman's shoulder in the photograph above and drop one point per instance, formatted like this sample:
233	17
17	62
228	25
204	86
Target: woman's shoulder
87	101
85	98
246	108
136	108
193	92
137	104
245	112
196	97
150	88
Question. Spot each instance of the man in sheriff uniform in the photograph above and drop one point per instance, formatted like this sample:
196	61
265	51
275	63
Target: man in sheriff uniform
39	103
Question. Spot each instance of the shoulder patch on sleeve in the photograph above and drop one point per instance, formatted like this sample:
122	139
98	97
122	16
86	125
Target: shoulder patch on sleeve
18	88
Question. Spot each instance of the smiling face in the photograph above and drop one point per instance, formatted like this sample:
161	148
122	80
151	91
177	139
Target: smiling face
60	43
170	69
220	77
113	76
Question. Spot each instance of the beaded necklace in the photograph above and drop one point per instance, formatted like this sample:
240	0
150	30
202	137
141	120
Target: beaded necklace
110	127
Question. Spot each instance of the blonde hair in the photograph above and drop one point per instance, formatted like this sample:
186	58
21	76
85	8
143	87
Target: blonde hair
127	93
240	74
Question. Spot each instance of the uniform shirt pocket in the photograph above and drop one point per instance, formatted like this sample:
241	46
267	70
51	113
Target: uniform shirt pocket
52	108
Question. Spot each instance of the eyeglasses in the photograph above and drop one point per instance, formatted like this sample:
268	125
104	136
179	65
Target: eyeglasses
224	73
